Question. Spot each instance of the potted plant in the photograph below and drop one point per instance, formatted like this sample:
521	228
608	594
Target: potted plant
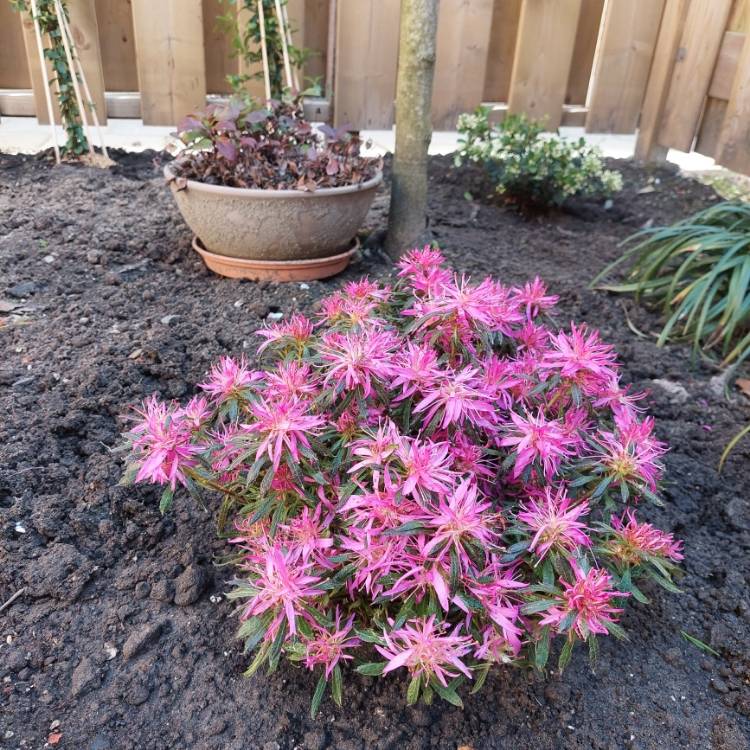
269	196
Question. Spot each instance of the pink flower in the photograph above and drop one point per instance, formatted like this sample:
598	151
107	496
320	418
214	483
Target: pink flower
295	333
580	356
291	380
196	412
374	450
281	584
461	523
533	296
356	360
328	647
415	369
496	648
422	646
427	467
537	439
586	604
424	270
555	524
459	397
282	424
229	378
635	541
162	446
308	537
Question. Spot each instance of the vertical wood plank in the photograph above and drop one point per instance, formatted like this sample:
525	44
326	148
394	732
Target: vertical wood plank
699	47
463	38
366	61
315	39
14	74
85	32
647	147
733	147
39	78
169	52
117	42
218	49
587	35
544	52
628	41
254	86
503	32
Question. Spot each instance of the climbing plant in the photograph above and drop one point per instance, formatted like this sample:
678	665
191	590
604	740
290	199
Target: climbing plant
246	40
70	114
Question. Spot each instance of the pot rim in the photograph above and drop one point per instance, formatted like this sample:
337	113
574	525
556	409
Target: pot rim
266	193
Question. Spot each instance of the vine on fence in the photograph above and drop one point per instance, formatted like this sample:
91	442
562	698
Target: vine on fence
246	40
63	76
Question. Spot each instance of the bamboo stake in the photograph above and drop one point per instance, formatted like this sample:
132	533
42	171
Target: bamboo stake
264	52
284	49
85	85
79	99
290	41
47	95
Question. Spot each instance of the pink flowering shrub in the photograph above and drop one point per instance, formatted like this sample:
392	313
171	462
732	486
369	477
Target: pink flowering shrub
425	479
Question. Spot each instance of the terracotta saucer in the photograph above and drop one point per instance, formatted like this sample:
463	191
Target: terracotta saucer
276	270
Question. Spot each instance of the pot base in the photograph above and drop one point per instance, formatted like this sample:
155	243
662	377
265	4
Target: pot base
276	270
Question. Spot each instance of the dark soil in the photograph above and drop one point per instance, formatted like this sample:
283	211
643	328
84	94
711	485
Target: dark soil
121	638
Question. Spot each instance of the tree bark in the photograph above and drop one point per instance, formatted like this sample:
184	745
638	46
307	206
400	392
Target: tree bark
416	68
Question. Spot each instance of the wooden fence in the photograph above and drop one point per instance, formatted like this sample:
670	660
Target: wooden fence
678	68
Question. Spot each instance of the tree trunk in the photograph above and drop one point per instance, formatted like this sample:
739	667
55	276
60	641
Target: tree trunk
416	68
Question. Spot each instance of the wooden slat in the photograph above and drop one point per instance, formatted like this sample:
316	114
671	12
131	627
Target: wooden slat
726	65
699	47
463	38
623	61
254	86
14	74
366	59
733	147
218	48
711	122
573	115
503	32
171	68
589	22
39	77
314	38
85	31
117	41
541	65
667	43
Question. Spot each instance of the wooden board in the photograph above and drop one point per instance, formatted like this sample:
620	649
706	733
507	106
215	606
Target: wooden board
587	35
623	61
710	129
171	76
85	32
544	52
117	42
503	32
39	77
699	47
367	34
314	38
14	74
218	48
463	38
733	147
726	65
647	147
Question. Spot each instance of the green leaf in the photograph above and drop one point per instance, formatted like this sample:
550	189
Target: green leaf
699	643
565	653
412	694
539	605
541	648
448	694
318	696
166	500
371	669
336	685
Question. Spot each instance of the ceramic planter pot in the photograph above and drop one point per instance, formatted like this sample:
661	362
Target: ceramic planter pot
250	229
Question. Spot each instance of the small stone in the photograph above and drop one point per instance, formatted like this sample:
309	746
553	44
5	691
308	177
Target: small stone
167	319
314	740
93	257
112	279
85	677
304	286
23	289
49	258
142	589
719	685
55	724
19	528
608	204
141	639
239	303
163	591
676	393
110	651
14	659
137	693
189	585
275	316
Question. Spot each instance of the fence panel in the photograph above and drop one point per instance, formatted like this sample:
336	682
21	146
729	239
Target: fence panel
732	148
117	42
626	48
544	53
587	35
14	74
503	32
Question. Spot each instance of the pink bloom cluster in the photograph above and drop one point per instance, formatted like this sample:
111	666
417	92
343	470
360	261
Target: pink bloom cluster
427	474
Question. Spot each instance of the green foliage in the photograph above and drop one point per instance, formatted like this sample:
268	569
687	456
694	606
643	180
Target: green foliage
531	168
71	117
246	45
698	272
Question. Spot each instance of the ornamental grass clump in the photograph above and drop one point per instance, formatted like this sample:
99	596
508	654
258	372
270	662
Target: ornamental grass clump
426	478
530	168
274	148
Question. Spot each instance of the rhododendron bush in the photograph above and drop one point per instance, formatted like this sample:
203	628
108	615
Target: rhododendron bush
425	478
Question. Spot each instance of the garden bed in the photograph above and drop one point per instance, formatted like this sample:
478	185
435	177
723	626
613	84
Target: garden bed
121	638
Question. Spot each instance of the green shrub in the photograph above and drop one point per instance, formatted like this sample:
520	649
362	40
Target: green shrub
531	168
